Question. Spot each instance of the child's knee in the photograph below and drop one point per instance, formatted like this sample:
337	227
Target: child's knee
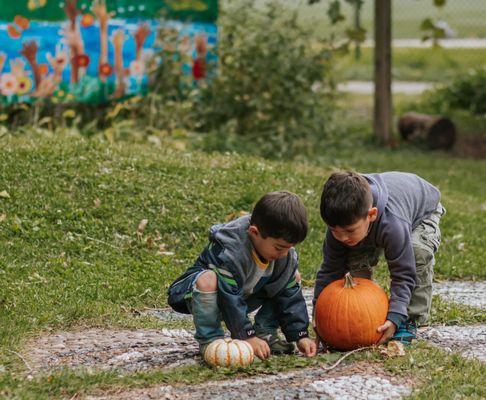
207	282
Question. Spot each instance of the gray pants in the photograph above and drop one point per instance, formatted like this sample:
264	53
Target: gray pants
425	242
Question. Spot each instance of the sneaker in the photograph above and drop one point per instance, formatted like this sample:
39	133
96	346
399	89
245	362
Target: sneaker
202	348
406	332
278	345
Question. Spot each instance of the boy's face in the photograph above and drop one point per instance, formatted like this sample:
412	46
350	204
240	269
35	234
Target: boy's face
269	248
353	234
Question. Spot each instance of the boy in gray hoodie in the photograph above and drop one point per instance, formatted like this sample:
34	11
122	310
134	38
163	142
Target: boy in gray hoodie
394	212
250	263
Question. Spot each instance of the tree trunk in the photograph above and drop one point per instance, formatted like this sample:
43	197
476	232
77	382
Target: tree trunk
436	131
383	98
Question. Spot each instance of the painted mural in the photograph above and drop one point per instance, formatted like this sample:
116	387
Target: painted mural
94	51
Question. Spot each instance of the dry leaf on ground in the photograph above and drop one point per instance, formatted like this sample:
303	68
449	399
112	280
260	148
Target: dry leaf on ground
393	349
234	215
141	226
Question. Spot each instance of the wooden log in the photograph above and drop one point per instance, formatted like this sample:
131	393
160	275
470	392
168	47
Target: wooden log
437	132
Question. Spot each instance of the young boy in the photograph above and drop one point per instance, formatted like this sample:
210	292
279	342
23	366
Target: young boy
398	213
249	263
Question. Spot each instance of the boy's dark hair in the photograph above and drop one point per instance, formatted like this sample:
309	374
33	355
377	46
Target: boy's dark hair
346	198
281	215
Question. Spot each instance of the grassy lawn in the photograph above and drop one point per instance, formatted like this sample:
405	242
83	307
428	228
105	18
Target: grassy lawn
415	64
70	253
408	64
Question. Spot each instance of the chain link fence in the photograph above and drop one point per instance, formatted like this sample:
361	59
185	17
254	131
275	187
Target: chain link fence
456	33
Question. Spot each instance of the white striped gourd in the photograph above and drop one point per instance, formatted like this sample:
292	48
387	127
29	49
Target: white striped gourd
228	353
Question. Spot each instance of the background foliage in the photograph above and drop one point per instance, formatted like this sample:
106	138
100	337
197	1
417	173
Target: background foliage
272	87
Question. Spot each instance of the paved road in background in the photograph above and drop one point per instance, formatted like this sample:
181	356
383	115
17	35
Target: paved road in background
479	43
368	87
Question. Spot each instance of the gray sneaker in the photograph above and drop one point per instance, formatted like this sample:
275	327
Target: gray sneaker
278	345
202	348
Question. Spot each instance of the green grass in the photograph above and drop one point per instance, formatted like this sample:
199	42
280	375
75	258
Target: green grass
70	253
414	64
427	65
435	375
67	383
440	375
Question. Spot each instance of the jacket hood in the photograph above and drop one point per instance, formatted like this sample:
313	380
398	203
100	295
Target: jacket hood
380	199
232	234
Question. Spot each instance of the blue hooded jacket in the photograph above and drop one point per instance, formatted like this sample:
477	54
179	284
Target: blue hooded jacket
229	255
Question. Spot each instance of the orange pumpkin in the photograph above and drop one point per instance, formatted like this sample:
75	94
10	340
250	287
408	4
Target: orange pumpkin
349	311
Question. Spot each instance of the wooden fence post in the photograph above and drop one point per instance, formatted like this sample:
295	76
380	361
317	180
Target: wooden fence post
383	97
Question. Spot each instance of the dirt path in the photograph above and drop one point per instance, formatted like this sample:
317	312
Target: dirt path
471	43
358	381
143	349
368	87
470	341
463	292
127	350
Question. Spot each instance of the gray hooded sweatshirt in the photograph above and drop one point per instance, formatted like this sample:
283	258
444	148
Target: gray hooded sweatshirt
403	200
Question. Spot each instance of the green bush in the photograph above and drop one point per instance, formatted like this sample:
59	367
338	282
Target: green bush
273	88
465	92
270	91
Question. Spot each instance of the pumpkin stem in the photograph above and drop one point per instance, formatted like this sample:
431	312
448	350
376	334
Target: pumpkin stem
349	281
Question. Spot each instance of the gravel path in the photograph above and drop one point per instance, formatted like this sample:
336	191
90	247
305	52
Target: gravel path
358	381
142	349
469	293
135	350
128	350
470	341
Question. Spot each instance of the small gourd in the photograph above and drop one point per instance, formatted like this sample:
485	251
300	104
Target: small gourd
229	353
349	311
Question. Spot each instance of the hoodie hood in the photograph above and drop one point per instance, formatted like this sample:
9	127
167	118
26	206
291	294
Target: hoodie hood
233	236
380	198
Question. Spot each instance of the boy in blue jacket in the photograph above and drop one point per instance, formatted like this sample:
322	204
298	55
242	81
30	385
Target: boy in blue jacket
250	263
394	212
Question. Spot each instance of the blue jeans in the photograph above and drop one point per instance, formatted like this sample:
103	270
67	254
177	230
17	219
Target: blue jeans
207	316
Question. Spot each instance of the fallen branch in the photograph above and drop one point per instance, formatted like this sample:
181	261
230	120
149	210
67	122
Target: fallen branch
96	240
345	356
22	358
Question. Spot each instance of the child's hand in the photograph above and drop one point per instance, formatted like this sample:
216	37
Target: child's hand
298	277
388	329
307	346
260	347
